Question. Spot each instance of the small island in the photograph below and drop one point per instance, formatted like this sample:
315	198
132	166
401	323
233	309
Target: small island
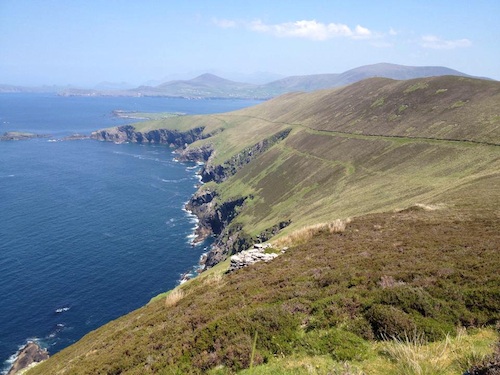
145	116
19	136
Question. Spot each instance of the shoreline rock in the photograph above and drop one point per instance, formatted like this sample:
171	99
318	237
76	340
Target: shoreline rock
76	137
28	356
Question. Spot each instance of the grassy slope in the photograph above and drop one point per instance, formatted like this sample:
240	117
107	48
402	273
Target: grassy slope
327	297
347	155
385	274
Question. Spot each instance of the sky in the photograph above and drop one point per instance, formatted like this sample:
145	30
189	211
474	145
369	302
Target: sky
86	42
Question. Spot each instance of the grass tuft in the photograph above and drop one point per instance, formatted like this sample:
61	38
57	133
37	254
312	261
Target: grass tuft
305	234
417	86
174	297
413	355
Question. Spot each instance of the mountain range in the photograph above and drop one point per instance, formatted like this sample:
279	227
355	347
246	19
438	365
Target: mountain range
212	86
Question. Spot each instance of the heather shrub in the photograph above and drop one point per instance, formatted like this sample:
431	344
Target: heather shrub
340	344
484	303
434	329
388	321
410	299
277	329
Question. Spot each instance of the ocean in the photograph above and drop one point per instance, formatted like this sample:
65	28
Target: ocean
88	230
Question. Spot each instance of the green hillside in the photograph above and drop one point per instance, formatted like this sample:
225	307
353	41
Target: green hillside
369	147
414	164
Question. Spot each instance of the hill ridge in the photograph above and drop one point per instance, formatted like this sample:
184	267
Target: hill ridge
380	136
212	86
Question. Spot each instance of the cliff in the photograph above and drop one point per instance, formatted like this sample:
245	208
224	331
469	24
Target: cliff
127	133
214	214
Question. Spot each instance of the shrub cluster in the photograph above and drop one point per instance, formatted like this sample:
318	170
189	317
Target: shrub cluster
384	276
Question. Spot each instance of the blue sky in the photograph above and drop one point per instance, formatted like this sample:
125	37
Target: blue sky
87	42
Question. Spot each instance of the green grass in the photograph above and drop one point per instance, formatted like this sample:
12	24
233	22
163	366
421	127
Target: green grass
402	108
458	104
410	356
378	103
417	86
337	177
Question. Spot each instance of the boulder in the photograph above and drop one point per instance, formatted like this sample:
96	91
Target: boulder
29	355
248	257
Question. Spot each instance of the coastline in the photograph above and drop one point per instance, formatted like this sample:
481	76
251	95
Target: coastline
214	215
183	274
45	331
194	239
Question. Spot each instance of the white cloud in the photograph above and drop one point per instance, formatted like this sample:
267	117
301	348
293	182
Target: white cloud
362	32
434	42
311	29
223	23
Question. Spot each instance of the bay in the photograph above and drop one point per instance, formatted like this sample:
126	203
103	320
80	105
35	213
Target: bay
88	230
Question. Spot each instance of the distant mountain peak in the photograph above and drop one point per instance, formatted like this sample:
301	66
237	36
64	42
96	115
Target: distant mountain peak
209	85
209	78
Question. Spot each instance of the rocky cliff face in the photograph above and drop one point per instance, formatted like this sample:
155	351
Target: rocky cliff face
212	214
127	133
201	154
234	240
215	215
221	172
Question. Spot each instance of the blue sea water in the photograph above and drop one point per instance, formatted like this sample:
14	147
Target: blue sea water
88	230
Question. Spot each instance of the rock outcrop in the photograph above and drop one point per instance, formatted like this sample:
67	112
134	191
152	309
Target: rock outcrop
214	215
198	154
234	240
29	355
221	172
248	257
127	133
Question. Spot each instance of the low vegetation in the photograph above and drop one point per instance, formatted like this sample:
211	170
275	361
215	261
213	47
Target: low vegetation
303	235
388	286
409	285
